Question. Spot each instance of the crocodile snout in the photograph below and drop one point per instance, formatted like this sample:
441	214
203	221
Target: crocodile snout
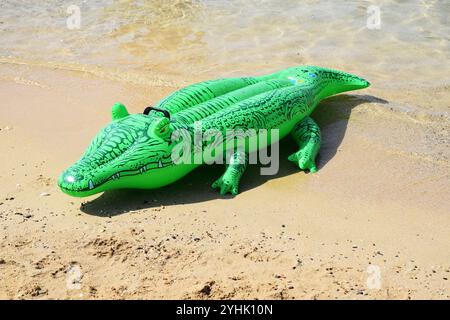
73	181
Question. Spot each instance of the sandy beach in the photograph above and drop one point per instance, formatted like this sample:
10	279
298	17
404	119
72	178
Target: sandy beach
377	207
294	235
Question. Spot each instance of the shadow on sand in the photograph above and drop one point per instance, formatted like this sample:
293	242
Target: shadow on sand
332	116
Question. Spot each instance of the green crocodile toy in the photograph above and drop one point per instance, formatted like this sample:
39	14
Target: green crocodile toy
157	148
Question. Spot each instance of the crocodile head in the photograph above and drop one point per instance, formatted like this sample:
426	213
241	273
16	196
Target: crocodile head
131	145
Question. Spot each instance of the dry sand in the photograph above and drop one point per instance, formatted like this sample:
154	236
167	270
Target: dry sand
374	202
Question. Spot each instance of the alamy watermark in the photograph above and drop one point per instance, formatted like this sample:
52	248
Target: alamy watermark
374	277
73	277
214	146
74	19
373	21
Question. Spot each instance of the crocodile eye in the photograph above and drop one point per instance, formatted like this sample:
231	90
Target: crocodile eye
161	128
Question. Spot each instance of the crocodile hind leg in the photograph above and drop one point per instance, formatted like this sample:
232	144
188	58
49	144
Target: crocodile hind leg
229	181
307	135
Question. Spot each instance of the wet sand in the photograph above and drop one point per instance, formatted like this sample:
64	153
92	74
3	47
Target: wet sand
380	199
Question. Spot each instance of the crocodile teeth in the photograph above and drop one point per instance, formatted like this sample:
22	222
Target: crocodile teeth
116	176
160	164
143	169
91	185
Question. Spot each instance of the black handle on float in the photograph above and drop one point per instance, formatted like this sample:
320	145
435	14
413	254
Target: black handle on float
150	108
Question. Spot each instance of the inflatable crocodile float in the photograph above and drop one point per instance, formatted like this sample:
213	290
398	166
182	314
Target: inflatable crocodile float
136	150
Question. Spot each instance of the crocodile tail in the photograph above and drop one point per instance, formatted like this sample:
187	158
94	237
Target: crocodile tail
335	81
325	82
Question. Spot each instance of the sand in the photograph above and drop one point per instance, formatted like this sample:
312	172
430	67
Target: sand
378	203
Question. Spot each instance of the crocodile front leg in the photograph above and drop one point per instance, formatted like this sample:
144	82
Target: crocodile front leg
307	135
229	181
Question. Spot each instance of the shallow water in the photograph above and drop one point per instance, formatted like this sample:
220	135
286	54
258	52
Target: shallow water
173	43
207	37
